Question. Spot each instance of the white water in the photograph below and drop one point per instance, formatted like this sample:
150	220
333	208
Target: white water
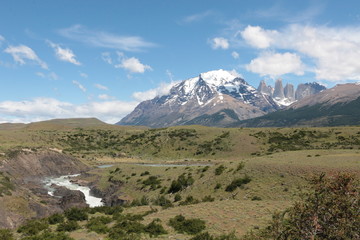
64	181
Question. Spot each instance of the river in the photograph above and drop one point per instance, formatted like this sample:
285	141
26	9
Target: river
64	181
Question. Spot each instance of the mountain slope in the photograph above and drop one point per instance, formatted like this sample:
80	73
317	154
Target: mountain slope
337	106
206	94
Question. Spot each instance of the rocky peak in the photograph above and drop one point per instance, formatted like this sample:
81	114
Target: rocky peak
308	89
279	90
264	89
289	92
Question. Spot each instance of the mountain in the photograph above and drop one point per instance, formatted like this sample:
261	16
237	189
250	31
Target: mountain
279	90
308	89
336	106
194	100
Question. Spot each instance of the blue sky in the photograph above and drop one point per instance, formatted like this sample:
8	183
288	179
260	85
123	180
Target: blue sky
88	58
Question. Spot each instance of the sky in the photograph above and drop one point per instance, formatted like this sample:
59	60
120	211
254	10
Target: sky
93	58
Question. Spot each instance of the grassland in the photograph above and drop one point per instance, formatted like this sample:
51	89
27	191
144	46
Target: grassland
278	162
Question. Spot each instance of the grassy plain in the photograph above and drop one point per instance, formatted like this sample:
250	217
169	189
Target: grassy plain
277	160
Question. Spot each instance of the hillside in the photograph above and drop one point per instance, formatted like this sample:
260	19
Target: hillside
338	106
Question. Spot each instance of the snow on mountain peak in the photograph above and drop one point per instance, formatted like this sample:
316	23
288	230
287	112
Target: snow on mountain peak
219	77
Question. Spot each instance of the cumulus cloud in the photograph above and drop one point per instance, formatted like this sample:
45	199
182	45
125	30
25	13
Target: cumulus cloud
334	51
235	55
79	85
101	87
162	89
276	64
258	37
64	54
22	54
219	42
133	65
104	39
48	108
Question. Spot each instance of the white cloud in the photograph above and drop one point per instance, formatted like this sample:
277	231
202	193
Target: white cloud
51	75
276	64
84	75
101	87
333	51
79	85
133	65
21	54
197	17
106	56
258	37
48	108
235	55
64	54
163	89
2	38
219	42
106	97
104	39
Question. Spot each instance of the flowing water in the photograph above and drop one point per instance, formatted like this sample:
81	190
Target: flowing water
64	181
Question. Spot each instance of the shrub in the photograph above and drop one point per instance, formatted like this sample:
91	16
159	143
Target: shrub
177	197
217	186
76	214
50	236
190	226
237	183
56	218
155	229
219	170
240	166
203	236
189	200
256	198
33	227
6	234
329	211
163	202
106	210
208	198
145	173
181	183
68	226
98	224
130	226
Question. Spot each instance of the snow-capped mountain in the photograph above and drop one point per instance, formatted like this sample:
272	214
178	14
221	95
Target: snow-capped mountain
205	95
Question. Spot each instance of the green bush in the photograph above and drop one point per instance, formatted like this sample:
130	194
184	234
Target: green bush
6	234
76	214
189	200
219	170
98	224
181	183
163	202
177	197
56	218
217	186
203	236
33	227
106	210
240	166
237	183
190	226
68	226
155	229
208	198
49	236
